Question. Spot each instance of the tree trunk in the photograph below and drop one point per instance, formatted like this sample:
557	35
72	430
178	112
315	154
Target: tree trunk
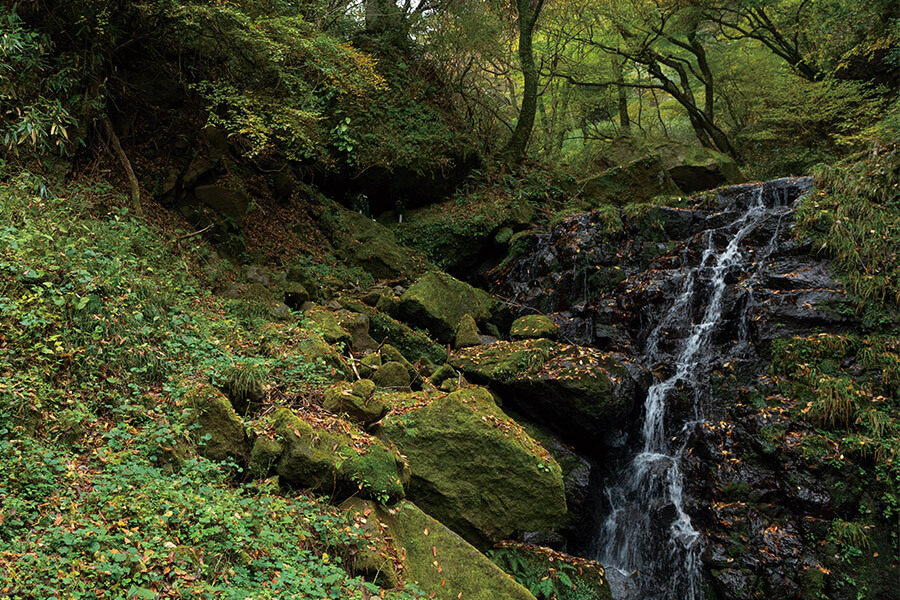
518	143
624	119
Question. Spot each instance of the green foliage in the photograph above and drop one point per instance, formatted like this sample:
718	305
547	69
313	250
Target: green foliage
855	220
799	123
269	76
102	318
120	524
545	579
35	89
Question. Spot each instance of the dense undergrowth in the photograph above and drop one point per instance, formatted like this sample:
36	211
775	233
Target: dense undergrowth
103	318
843	391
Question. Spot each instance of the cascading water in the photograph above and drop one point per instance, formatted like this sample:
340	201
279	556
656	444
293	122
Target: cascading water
685	291
647	540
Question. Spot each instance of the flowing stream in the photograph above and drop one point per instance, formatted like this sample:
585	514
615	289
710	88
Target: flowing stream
647	541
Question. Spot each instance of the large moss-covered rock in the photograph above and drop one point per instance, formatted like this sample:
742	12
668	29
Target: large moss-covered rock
433	557
533	327
369	245
355	401
357	325
582	393
331	456
316	351
473	468
695	168
458	237
325	323
219	429
438	303
638	181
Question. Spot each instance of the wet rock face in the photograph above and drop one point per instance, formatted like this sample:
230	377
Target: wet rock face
609	279
607	285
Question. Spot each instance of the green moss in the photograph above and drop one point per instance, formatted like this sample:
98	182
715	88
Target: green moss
637	181
266	451
343	463
438	302
315	350
475	469
326	324
358	407
467	333
453	235
369	245
591	388
436	559
379	473
219	429
392	374
533	326
385	328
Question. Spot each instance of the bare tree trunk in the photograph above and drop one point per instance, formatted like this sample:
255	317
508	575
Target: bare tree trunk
126	164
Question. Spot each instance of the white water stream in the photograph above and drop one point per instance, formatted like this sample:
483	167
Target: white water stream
647	542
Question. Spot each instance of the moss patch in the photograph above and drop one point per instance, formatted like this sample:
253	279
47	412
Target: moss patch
577	391
533	326
336	458
219	429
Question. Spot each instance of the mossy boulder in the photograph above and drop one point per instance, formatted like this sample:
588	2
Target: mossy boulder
363	388
332	456
582	393
355	402
389	305
638	181
695	168
457	237
368	365
357	325
316	350
467	333
294	294
219	429
533	327
392	374
369	245
473	468
438	303
433	557
385	328
265	453
325	323
442	373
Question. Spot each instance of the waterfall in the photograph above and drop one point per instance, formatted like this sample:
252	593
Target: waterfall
647	541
